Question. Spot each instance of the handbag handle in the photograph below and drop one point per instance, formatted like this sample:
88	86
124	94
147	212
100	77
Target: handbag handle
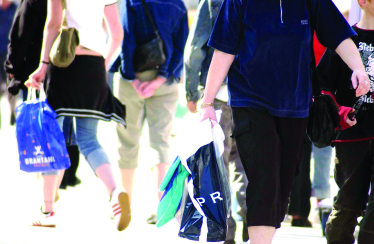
150	18
64	9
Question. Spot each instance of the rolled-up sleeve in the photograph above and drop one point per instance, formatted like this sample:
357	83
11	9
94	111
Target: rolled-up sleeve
227	29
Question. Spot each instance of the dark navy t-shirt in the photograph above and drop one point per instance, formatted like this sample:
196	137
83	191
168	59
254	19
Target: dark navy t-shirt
272	43
6	19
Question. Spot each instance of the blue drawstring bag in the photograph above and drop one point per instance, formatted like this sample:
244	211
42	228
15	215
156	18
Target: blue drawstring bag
41	143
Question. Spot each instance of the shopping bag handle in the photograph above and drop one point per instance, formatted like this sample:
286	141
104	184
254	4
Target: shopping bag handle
31	94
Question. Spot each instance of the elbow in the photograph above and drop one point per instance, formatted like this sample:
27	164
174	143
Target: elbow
54	26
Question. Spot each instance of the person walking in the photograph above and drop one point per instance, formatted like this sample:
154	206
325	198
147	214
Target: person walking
197	57
354	167
155	97
7	12
81	91
265	49
300	206
24	49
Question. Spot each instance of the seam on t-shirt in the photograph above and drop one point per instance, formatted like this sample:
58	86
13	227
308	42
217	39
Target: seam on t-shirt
213	43
266	106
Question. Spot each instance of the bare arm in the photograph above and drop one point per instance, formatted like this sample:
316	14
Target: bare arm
218	70
347	50
52	27
51	30
114	27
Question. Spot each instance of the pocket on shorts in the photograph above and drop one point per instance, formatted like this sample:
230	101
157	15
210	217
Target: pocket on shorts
241	127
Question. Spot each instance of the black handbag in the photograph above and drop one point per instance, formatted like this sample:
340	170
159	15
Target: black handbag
324	114
323	120
149	56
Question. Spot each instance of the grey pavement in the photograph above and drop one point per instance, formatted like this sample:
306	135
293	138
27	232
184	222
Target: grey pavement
83	211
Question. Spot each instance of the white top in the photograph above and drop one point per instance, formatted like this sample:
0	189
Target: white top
223	94
87	17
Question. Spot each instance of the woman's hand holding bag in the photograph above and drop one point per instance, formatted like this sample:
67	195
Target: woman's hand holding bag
41	143
36	79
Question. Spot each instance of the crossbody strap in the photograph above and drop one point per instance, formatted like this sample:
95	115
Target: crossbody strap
150	18
315	82
64	9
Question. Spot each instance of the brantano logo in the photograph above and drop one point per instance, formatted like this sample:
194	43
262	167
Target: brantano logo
40	160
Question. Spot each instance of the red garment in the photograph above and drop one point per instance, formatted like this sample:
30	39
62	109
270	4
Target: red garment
319	50
343	111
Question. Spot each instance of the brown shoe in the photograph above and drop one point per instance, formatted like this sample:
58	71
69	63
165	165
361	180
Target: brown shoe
120	203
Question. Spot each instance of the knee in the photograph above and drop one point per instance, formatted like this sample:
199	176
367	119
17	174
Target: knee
128	164
87	144
344	219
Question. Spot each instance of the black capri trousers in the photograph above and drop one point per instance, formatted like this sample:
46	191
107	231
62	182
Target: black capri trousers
270	149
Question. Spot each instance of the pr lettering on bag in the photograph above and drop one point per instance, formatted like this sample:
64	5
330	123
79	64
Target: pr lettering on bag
214	196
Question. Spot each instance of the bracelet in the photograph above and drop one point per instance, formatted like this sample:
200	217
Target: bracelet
204	105
44	62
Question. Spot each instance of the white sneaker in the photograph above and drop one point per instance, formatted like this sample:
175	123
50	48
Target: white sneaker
45	220
120	203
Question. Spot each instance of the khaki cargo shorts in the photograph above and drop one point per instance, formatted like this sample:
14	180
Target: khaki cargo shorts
159	111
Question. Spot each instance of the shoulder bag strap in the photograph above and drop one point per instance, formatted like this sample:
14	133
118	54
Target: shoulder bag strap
64	9
150	18
315	82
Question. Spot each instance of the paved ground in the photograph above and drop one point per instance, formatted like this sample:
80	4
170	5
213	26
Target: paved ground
83	211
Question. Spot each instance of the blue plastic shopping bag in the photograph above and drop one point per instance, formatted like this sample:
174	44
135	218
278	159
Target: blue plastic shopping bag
41	143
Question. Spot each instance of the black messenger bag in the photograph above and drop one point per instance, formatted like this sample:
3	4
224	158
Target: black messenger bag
324	114
149	56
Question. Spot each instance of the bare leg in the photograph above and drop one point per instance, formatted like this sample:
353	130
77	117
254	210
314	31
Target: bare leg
162	168
104	172
12	103
128	180
261	234
49	192
59	179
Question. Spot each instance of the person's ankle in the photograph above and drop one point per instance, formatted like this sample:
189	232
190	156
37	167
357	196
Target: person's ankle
297	217
319	200
46	209
111	193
